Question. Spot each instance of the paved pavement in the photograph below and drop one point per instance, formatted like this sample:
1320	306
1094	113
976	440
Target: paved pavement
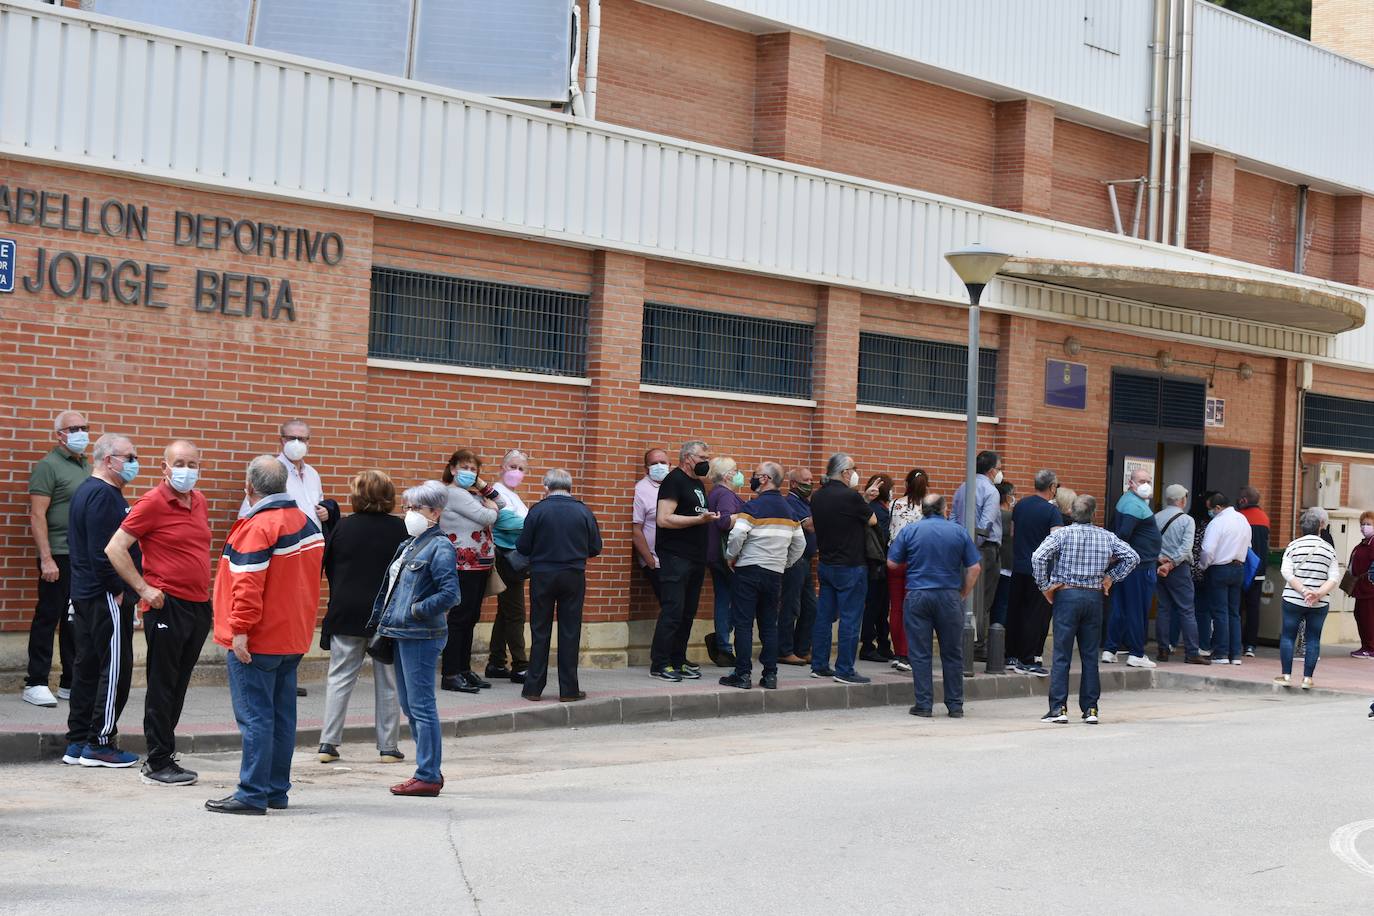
1180	802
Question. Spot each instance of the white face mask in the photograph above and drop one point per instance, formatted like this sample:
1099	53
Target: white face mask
1144	491
416	524
657	472
295	450
997	478
853	479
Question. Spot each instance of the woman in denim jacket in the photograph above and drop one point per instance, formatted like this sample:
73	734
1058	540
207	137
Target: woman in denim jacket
411	608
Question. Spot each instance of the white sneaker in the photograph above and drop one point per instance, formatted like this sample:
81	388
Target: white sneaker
901	665
39	696
1221	661
1235	661
64	693
1108	658
1140	661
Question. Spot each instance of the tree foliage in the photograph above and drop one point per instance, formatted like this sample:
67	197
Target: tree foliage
1293	16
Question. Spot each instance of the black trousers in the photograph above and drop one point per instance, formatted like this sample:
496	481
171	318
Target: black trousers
48	617
1250	607
508	629
1028	618
104	664
679	582
175	634
462	620
652	575
873	634
555	594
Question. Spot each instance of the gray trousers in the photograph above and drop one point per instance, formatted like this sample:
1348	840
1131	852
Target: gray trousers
985	591
346	654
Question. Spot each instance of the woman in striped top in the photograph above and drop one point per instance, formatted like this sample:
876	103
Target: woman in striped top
1310	572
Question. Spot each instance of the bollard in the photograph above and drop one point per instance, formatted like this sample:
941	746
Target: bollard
997	649
968	649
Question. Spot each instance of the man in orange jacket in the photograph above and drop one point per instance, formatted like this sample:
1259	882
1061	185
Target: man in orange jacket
266	593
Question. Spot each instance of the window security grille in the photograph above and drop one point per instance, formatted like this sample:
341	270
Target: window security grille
693	348
1343	424
434	318
923	374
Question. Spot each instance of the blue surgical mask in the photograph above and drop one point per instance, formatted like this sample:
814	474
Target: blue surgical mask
77	442
129	471
657	472
183	480
465	478
738	480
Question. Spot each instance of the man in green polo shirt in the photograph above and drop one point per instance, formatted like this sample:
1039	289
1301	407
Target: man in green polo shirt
51	485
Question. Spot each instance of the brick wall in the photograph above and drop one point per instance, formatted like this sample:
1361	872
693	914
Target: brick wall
1344	26
1083	159
1265	223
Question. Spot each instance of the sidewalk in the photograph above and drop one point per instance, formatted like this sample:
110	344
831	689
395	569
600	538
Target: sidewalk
615	696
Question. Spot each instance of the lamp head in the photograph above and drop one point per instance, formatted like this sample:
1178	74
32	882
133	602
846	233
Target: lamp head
976	266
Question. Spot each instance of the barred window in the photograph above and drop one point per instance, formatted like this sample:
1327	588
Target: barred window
692	348
1343	424
923	374
434	318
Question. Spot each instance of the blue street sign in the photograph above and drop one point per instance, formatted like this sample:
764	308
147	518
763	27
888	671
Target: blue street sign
7	255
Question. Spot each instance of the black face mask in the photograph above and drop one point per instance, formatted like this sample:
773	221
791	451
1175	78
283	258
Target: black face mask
701	468
755	482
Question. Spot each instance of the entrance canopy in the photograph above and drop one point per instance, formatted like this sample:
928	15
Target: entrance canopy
1264	301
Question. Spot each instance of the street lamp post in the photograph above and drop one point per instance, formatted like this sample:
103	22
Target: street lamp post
976	266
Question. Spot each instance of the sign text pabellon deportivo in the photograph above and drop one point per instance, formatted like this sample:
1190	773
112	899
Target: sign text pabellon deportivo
73	275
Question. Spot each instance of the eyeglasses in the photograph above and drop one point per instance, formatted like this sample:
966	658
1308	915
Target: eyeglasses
75	429
129	457
295	438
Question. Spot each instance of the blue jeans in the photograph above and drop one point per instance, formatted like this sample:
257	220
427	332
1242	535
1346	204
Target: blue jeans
723	593
264	696
1294	614
756	598
843	591
416	661
797	611
1177	610
1077	615
941	611
1223	585
1131	610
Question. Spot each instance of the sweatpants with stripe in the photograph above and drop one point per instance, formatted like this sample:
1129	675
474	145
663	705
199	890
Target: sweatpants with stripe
104	633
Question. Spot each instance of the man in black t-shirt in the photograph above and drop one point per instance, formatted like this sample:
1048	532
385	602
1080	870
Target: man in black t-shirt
1028	613
683	527
841	517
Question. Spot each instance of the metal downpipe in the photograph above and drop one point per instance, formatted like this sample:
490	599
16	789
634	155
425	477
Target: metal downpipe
1156	118
1185	125
1170	81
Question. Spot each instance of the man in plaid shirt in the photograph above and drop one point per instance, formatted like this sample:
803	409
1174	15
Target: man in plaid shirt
1075	568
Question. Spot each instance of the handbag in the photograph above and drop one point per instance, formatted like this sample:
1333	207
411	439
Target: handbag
495	584
382	649
1348	583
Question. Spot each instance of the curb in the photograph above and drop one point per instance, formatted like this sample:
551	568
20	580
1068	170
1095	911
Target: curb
1173	680
27	747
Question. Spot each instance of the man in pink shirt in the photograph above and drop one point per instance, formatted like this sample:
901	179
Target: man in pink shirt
644	522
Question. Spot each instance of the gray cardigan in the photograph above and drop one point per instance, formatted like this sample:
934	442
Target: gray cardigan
468	523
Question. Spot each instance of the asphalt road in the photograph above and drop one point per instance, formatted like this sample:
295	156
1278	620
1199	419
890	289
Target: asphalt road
1179	802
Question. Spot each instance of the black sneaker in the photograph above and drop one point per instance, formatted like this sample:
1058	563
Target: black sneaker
873	655
852	679
690	672
497	671
690	666
1090	717
1058	716
822	672
956	713
920	711
666	674
169	775
736	680
518	676
328	753
769	681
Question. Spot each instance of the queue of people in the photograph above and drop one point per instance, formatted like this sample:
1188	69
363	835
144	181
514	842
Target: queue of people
892	575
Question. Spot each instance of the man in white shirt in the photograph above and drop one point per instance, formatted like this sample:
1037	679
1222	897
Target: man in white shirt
1224	546
302	480
644	519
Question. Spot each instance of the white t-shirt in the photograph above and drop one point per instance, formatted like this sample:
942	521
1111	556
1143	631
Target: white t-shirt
303	486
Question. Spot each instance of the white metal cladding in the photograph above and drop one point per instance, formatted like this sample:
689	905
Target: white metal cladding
1033	47
198	112
1264	95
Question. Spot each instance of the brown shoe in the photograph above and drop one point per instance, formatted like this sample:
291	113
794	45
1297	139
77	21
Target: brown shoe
1197	660
417	788
1162	656
791	660
580	695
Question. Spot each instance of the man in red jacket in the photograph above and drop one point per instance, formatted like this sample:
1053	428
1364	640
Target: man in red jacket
266	593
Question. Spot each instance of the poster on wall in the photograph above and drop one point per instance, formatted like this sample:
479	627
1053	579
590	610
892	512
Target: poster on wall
1066	384
1216	412
1134	464
6	266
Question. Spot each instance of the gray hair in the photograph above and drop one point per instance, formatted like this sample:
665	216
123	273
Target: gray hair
558	479
57	423
932	505
512	452
795	473
1312	520
1083	509
1174	492
108	444
266	476
773	470
1140	472
837	465
282	430
690	446
1045	479
721	468
431	494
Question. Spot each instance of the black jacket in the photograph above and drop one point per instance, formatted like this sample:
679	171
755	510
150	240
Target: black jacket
560	533
356	556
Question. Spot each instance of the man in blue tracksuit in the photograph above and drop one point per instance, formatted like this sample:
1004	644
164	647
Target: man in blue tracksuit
1134	524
